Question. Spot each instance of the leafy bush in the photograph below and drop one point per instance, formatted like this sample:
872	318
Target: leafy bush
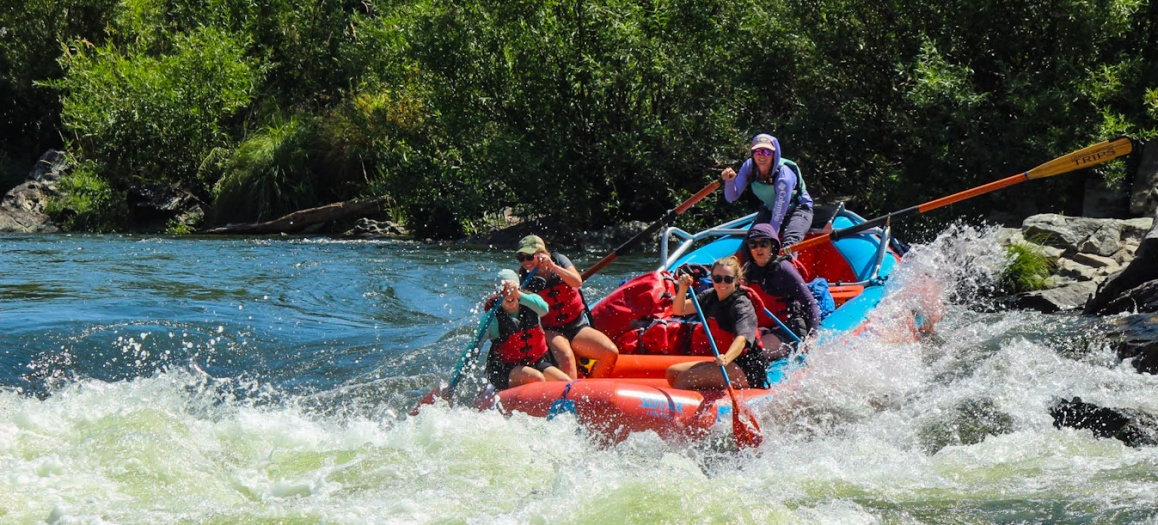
86	202
147	118
267	176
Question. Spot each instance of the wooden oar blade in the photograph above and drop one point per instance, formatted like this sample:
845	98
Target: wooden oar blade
1084	158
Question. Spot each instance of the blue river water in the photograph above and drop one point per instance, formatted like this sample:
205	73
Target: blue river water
235	380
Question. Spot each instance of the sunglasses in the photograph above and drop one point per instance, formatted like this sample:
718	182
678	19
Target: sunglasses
523	257
727	279
760	244
761	152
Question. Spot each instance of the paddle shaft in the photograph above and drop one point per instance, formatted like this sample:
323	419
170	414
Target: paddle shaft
746	435
792	335
1083	158
668	216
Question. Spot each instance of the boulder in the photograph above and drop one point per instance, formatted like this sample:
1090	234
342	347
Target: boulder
1065	297
1144	196
1142	269
155	208
1132	427
22	209
1135	337
1068	233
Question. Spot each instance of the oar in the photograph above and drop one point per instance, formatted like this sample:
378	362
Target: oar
744	425
469	354
791	335
669	216
1080	159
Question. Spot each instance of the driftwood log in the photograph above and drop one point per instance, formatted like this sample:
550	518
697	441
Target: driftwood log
302	219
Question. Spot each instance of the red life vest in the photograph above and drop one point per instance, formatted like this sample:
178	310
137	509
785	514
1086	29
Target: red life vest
521	341
761	301
566	305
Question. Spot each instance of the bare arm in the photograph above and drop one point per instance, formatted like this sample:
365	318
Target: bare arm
680	304
569	275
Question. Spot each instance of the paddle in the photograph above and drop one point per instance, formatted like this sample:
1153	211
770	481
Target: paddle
744	425
469	354
655	226
791	335
1080	159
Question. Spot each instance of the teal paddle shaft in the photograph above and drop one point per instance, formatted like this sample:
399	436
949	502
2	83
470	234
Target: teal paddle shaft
792	335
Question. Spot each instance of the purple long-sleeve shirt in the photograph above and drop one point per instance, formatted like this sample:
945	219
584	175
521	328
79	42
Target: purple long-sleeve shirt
776	194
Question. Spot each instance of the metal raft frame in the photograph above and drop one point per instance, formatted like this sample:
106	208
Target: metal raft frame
739	228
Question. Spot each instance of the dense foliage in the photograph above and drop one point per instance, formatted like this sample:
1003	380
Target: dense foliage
581	113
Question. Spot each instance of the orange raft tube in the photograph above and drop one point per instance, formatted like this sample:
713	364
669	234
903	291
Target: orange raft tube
636	398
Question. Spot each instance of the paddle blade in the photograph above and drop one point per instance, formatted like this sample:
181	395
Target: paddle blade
429	399
1083	158
744	425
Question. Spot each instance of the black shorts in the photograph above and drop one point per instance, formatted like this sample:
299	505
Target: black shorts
499	373
755	368
570	330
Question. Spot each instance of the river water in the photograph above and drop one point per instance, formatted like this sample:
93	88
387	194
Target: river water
181	380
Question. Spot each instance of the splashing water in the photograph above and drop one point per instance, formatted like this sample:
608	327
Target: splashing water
116	410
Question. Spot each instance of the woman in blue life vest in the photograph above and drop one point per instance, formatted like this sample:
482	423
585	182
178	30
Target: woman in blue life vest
518	352
732	320
782	290
569	335
785	203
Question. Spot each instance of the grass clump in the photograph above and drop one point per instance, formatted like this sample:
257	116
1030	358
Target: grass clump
1029	268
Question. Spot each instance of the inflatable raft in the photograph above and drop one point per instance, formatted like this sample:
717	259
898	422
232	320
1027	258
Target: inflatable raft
637	397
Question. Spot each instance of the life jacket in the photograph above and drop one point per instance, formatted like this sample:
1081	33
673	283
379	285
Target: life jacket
565	303
798	191
521	340
635	302
764	303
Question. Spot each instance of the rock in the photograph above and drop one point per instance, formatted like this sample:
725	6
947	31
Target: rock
1075	270
1144	197
1134	229
1136	337
1104	241
1132	427
1065	297
1141	298
1095	261
1060	231
22	209
156	208
613	236
366	228
1142	269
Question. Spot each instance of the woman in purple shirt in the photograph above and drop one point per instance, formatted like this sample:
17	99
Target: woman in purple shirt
786	204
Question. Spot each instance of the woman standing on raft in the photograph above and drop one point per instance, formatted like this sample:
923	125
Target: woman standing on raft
568	333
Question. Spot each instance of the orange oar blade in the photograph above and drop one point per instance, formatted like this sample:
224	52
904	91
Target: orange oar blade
744	425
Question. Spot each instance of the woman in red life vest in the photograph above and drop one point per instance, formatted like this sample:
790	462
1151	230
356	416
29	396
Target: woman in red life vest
518	352
782	290
568	333
732	320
